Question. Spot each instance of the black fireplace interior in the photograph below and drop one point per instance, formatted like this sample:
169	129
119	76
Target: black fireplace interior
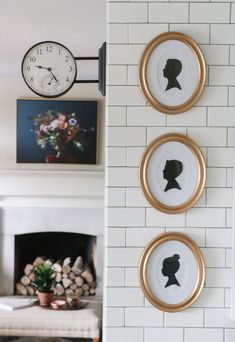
55	245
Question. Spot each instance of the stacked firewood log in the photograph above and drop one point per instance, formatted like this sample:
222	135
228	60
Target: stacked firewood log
70	278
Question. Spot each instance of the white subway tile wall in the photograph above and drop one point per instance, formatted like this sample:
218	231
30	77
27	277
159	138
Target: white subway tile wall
203	335
131	125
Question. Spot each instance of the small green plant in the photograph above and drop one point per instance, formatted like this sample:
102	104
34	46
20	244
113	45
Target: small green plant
43	281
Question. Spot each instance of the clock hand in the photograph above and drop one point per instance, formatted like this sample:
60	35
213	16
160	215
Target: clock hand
48	69
41	67
53	76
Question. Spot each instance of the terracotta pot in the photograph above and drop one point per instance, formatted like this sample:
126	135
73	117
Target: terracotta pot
45	298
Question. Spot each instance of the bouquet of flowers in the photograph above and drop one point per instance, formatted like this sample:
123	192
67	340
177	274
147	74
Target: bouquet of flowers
57	129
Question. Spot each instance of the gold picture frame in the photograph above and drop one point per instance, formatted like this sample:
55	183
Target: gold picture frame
172	173
172	73
172	272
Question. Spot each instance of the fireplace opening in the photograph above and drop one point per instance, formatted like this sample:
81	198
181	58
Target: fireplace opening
71	255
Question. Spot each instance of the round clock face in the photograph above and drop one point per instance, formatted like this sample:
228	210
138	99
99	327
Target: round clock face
49	69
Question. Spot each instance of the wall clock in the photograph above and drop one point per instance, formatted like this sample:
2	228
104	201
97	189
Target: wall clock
49	69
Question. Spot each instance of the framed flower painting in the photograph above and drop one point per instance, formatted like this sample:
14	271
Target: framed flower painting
52	131
172	173
172	72
172	272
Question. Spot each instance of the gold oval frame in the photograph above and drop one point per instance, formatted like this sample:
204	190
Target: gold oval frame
143	266
201	170
143	67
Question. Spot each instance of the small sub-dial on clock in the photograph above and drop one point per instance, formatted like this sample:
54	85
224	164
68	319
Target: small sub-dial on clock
50	83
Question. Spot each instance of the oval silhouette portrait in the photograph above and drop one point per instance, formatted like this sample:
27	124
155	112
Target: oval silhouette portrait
170	267
172	72
172	271
172	170
172	173
172	69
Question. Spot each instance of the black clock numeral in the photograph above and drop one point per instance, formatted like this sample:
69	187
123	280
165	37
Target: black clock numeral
66	58
67	79
39	51
31	79
59	51
28	68
32	59
70	69
49	48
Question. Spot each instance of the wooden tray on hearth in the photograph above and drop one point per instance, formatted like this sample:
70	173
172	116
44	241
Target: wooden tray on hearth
66	306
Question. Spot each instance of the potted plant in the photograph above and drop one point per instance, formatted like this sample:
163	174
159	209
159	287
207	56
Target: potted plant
44	283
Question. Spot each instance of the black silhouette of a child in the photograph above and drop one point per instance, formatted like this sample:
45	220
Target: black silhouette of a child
172	69
172	170
169	268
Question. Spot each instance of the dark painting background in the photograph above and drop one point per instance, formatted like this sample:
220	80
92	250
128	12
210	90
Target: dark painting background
28	151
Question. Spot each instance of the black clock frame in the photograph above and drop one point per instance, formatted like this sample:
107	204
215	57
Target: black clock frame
48	42
101	69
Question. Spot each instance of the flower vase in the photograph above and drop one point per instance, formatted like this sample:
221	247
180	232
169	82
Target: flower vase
52	158
61	158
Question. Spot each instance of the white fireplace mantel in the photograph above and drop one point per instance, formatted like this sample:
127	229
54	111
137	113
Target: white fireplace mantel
15	220
57	183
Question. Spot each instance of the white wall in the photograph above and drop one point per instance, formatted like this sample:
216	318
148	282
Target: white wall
79	25
132	124
71	196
